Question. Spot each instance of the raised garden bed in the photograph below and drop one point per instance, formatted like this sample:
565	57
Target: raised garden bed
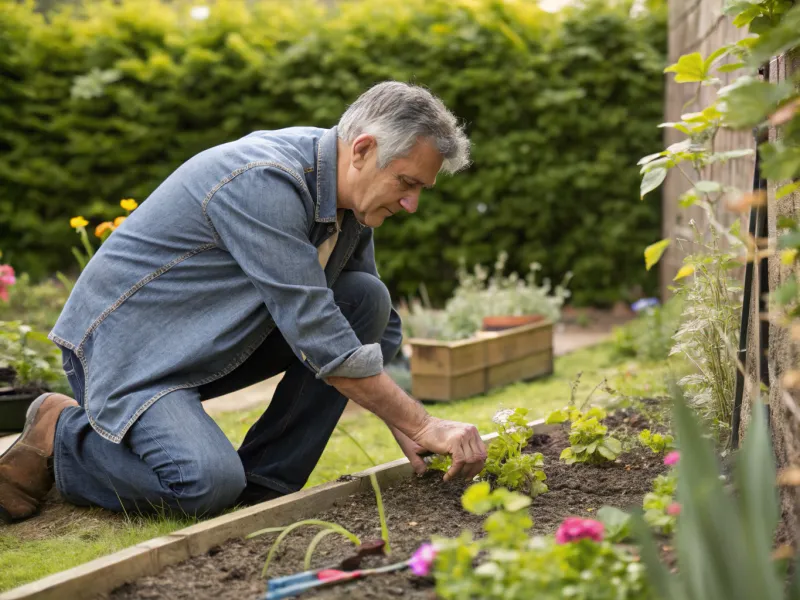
416	509
446	371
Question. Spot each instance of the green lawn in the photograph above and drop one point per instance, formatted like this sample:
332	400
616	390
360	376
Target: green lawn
27	554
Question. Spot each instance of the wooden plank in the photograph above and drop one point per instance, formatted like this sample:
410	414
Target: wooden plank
91	579
443	387
522	369
102	575
518	343
447	358
275	513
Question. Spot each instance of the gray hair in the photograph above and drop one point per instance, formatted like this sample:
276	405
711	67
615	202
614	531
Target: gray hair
397	115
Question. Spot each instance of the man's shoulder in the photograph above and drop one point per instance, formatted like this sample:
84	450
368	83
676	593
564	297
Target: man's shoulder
291	149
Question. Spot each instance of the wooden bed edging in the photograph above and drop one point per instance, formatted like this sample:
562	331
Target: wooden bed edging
104	574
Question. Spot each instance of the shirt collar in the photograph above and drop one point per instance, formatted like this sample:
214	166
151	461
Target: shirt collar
327	153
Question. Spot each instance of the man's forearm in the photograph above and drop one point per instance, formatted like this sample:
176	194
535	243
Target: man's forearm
380	395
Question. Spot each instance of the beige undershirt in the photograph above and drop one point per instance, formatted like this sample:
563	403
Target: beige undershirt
326	248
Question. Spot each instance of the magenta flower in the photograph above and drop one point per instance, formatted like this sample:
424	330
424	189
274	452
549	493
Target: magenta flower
674	509
575	528
672	458
7	279
420	564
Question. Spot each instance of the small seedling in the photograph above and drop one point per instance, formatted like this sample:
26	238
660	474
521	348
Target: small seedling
659	504
588	438
657	442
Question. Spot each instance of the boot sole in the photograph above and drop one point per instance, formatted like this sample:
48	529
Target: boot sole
5	516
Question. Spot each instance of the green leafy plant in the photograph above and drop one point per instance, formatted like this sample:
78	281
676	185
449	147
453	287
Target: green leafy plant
723	542
588	438
659	504
648	337
617	523
657	442
511	564
480	295
29	359
506	463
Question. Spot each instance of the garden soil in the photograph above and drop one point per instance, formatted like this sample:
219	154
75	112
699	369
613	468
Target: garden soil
416	510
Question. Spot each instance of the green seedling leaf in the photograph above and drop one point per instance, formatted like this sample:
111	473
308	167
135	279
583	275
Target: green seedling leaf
476	499
730	68
313	546
616	523
285	531
653	253
514	501
557	416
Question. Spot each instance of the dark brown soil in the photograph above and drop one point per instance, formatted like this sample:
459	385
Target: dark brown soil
415	510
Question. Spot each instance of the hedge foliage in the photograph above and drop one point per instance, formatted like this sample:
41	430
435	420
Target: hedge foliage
103	102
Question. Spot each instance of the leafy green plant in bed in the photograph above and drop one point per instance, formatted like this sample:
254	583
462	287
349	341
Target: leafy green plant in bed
660	509
576	562
657	442
506	465
588	438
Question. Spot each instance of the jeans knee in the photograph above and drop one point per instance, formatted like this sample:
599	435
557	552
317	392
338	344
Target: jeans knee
213	485
365	302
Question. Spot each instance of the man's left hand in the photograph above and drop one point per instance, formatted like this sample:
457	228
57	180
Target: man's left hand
412	450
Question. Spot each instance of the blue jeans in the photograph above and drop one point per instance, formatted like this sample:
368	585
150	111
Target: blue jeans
175	456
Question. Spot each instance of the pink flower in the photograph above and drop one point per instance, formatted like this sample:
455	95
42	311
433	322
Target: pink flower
420	564
672	458
7	279
674	509
575	528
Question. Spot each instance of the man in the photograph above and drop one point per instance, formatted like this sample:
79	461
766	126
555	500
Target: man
253	258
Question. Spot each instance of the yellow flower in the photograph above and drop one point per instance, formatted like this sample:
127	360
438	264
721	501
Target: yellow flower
118	221
102	228
129	204
788	256
78	222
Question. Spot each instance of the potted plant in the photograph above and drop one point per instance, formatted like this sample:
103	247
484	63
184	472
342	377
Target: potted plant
29	366
493	331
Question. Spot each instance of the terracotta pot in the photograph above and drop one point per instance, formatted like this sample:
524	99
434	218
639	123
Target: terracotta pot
501	322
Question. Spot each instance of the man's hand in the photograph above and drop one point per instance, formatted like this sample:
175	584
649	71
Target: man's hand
459	440
404	415
411	449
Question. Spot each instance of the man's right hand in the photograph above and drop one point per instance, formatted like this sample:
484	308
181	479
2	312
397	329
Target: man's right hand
459	440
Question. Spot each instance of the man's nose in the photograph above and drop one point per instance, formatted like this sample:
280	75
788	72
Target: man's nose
410	203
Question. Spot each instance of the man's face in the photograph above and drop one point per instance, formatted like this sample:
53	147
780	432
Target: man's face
379	193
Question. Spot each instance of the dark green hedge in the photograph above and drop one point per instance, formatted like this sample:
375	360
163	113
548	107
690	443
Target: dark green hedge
102	105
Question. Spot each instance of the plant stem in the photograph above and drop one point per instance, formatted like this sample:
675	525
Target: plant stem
376	487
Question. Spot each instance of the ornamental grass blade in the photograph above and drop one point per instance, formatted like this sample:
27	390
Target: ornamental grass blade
758	502
709	539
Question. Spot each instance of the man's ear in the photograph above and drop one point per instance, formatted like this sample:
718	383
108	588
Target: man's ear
363	146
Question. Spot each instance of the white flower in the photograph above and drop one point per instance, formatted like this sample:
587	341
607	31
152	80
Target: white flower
200	13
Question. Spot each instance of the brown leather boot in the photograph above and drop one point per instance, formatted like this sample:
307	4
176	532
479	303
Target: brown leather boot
25	478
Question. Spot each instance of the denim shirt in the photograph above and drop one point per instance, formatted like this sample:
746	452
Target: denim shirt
197	277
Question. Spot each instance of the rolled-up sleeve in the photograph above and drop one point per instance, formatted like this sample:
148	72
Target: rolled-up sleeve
263	220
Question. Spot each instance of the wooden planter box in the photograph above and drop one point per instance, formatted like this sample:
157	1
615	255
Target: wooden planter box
455	370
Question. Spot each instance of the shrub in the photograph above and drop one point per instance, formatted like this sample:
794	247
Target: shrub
102	103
